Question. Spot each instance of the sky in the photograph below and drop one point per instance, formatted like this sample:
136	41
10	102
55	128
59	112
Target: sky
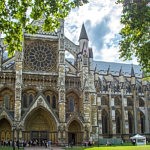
102	23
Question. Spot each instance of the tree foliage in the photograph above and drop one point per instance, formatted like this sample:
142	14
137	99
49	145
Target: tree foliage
136	32
16	17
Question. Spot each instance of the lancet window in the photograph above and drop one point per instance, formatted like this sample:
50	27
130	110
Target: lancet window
71	104
104	122
141	103
118	122
7	101
48	98
142	121
27	99
54	102
131	124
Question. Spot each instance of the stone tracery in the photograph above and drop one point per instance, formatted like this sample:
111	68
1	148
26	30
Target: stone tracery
40	56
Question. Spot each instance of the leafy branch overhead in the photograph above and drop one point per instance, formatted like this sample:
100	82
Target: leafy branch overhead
136	32
17	16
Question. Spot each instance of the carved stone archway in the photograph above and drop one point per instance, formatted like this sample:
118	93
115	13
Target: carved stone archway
5	130
40	125
75	134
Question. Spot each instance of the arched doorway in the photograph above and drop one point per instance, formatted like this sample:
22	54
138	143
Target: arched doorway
40	125
5	130
75	135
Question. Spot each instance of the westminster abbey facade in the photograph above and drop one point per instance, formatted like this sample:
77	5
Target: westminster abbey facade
45	96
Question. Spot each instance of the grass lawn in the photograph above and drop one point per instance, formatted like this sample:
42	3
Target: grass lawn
146	147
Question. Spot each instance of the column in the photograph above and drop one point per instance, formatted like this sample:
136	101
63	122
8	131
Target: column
135	111
61	83
112	114
61	77
125	125
18	86
100	123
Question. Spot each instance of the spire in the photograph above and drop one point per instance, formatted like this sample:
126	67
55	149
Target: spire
120	72
108	71
132	72
83	34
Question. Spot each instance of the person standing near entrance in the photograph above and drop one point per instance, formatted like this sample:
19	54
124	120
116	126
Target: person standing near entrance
49	144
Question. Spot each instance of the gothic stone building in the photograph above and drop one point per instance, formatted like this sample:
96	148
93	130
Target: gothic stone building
43	95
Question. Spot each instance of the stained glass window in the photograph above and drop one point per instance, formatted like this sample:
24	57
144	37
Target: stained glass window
40	56
25	105
6	101
30	98
48	99
71	104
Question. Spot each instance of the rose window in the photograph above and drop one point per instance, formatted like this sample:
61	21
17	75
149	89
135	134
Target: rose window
40	56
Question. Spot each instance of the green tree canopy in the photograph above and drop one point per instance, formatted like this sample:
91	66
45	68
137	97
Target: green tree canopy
136	32
16	16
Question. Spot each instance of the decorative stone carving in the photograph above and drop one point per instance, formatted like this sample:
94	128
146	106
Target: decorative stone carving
40	102
40	56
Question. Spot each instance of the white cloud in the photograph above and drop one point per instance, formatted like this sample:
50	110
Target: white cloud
102	22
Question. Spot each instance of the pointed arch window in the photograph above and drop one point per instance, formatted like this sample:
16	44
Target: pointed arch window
142	120
118	122
117	101
141	103
104	101
30	98
129	102
54	102
25	104
71	104
48	98
130	120
104	122
7	101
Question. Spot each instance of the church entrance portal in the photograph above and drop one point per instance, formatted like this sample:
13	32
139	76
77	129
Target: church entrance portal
5	130
75	135
72	138
39	137
40	126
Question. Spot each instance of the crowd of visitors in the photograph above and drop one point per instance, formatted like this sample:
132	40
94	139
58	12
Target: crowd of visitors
22	143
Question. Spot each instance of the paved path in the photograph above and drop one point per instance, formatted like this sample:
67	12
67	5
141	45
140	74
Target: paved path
43	148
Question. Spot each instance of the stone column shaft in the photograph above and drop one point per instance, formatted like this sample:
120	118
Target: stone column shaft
125	125
61	77
18	86
112	114
135	111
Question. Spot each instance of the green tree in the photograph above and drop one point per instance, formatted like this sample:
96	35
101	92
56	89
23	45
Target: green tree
136	32
16	17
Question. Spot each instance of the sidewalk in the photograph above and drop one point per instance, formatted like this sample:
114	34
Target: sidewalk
43	148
